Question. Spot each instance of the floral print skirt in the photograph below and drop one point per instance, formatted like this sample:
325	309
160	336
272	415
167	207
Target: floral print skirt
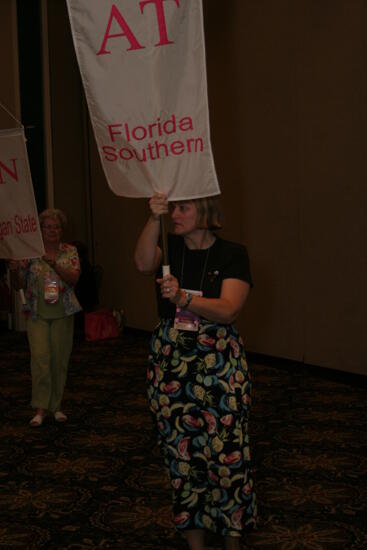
199	394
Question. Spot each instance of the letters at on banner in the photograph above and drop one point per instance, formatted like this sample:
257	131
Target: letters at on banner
20	235
143	68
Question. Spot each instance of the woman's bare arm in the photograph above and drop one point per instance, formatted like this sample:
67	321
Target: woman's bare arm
224	309
147	254
227	307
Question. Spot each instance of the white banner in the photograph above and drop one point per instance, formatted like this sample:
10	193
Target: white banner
142	64
20	235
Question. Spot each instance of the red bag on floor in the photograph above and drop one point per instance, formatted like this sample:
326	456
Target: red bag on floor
100	325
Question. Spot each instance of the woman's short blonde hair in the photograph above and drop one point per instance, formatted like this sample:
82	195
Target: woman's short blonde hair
209	212
55	214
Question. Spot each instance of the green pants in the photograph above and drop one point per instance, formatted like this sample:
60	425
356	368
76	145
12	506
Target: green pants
51	342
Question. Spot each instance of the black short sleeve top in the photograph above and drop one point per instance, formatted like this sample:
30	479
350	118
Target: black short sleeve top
203	269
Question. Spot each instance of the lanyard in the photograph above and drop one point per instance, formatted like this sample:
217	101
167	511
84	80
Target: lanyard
204	268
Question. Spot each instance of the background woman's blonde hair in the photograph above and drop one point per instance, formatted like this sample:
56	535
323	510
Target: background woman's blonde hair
209	212
55	214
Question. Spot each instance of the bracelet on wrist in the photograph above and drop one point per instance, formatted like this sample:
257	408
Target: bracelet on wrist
187	300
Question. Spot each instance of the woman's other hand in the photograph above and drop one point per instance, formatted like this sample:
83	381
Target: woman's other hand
158	205
170	289
69	275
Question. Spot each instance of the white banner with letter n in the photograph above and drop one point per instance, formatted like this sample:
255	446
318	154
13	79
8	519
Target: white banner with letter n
143	69
20	235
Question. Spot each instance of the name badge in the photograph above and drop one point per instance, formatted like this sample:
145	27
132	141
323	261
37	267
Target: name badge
187	320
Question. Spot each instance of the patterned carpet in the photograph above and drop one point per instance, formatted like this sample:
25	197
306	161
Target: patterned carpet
98	480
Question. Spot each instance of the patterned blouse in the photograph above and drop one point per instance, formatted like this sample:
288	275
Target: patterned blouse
33	271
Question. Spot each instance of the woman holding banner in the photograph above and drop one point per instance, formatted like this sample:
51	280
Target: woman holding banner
198	380
48	284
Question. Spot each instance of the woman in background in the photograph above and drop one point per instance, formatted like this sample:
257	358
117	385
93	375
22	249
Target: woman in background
198	380
48	284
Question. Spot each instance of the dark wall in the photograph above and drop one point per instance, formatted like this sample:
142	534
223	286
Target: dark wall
9	88
290	86
69	135
31	92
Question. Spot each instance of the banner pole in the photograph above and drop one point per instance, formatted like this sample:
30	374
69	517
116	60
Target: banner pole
165	263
